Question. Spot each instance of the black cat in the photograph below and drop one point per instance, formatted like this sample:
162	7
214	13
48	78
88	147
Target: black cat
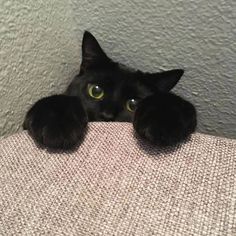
108	91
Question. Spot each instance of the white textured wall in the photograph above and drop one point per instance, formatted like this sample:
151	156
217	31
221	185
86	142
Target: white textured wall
199	36
38	54
39	50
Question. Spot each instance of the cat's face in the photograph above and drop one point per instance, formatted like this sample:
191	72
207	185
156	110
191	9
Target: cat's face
109	91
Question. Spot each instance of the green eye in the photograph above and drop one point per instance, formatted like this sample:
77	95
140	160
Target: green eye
131	105
95	91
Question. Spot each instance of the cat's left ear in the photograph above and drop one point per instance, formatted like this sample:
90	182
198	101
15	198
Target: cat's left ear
92	53
164	81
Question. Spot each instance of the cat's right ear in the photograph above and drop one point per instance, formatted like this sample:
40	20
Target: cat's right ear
92	54
165	80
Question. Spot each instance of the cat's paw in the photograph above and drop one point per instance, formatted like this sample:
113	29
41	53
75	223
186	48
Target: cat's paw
57	122
165	119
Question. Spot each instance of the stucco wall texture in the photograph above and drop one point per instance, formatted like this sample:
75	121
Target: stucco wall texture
40	50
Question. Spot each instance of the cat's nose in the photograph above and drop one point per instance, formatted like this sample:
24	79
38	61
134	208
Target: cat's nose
107	116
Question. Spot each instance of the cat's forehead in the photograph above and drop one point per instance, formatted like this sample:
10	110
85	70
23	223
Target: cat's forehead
116	77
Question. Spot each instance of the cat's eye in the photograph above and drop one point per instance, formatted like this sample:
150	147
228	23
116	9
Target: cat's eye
131	105
95	91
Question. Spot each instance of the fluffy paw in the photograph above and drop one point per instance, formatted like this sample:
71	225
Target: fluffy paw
165	119
57	121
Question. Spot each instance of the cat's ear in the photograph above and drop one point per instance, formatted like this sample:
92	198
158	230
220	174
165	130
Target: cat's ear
164	81
92	53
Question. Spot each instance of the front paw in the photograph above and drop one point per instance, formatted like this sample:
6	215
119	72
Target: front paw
165	119
57	121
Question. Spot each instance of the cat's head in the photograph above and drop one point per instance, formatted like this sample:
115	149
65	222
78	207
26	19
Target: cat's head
110	91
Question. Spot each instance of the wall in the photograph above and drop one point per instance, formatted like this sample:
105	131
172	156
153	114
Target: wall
196	35
40	50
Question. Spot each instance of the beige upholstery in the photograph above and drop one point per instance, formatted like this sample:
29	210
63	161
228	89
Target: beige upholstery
115	185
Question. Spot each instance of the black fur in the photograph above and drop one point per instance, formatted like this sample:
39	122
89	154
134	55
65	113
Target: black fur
161	117
165	119
58	121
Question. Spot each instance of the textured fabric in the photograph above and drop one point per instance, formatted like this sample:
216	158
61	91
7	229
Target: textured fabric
114	184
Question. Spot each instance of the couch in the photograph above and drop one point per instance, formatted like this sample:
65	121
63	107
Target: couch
116	184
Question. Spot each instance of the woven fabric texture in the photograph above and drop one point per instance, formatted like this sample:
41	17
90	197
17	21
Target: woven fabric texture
115	184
